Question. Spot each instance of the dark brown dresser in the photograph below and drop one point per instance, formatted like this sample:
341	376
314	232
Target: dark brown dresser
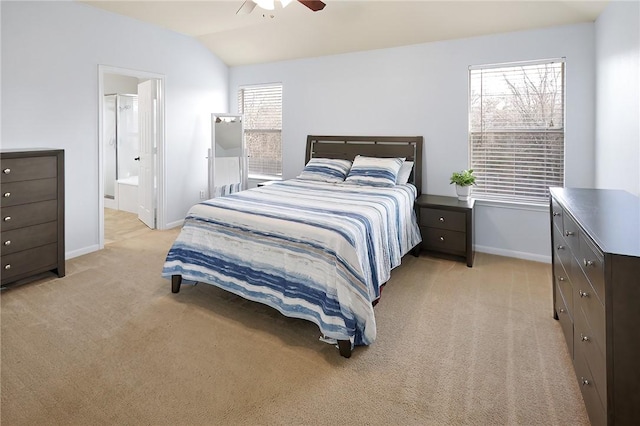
446	226
595	236
32	211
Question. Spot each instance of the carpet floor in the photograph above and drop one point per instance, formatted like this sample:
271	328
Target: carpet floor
110	344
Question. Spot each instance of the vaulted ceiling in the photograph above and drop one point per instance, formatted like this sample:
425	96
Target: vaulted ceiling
344	26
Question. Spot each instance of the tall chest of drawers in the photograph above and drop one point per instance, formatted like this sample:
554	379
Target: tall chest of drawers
32	213
595	237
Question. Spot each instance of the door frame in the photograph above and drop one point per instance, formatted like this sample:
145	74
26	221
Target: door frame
160	191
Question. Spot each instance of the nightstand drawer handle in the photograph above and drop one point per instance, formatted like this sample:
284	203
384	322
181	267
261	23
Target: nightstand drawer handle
555	214
7	267
6	171
583	293
441	238
568	233
584	338
562	311
585	382
7	219
560	278
7	243
560	247
588	262
441	219
7	195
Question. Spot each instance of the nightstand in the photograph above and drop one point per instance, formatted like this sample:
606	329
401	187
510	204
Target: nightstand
446	225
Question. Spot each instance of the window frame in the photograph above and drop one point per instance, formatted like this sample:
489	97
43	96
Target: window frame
241	107
477	132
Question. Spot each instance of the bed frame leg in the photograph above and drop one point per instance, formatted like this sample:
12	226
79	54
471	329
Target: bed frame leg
176	280
345	348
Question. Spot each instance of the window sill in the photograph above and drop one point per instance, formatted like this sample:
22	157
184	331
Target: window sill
263	177
517	205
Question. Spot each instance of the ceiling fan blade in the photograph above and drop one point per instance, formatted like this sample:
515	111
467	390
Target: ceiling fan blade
314	5
246	7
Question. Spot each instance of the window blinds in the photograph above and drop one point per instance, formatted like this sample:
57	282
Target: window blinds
516	130
262	110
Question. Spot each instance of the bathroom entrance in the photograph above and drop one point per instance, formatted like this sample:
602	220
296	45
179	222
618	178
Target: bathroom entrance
131	141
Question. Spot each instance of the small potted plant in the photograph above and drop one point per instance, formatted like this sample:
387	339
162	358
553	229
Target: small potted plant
463	180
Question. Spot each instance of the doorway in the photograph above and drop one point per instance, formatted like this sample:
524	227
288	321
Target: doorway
130	152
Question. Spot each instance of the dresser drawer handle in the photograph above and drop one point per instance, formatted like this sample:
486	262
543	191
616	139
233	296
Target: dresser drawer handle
441	219
556	214
585	382
441	238
6	171
588	263
560	247
7	267
583	293
7	219
569	233
584	338
562	311
7	243
560	278
7	195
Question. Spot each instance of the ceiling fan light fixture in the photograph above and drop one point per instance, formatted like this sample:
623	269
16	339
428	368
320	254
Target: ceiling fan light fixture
285	3
265	4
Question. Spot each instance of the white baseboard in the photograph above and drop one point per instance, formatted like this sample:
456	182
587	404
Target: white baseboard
86	250
175	224
516	254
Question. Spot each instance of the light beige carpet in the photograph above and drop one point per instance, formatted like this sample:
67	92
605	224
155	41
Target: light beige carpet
110	344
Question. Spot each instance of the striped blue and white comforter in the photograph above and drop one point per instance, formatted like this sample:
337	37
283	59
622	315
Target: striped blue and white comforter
312	250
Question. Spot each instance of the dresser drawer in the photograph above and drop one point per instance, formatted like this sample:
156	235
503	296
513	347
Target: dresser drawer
24	215
566	322
29	237
597	412
28	191
561	249
443	219
571	232
556	214
594	355
28	168
586	301
29	262
444	240
592	262
564	284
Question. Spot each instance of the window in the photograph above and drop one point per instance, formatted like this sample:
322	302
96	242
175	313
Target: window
262	110
516	130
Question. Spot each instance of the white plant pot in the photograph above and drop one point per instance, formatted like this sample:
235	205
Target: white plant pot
463	192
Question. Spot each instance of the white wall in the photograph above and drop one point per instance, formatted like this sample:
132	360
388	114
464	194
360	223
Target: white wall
423	90
50	57
618	97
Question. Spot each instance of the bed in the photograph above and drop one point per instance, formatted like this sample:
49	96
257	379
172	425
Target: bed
315	250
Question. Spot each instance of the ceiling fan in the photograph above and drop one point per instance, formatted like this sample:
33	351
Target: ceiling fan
249	5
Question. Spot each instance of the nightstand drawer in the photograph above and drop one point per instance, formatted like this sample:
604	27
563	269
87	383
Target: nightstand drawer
443	219
443	240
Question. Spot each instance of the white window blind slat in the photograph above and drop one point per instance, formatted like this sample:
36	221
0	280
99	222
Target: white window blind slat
262	110
516	129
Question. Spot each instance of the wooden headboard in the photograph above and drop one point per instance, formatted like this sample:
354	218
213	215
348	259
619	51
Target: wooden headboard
347	147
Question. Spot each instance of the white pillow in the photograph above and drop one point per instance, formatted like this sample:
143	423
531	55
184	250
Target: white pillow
404	173
374	171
